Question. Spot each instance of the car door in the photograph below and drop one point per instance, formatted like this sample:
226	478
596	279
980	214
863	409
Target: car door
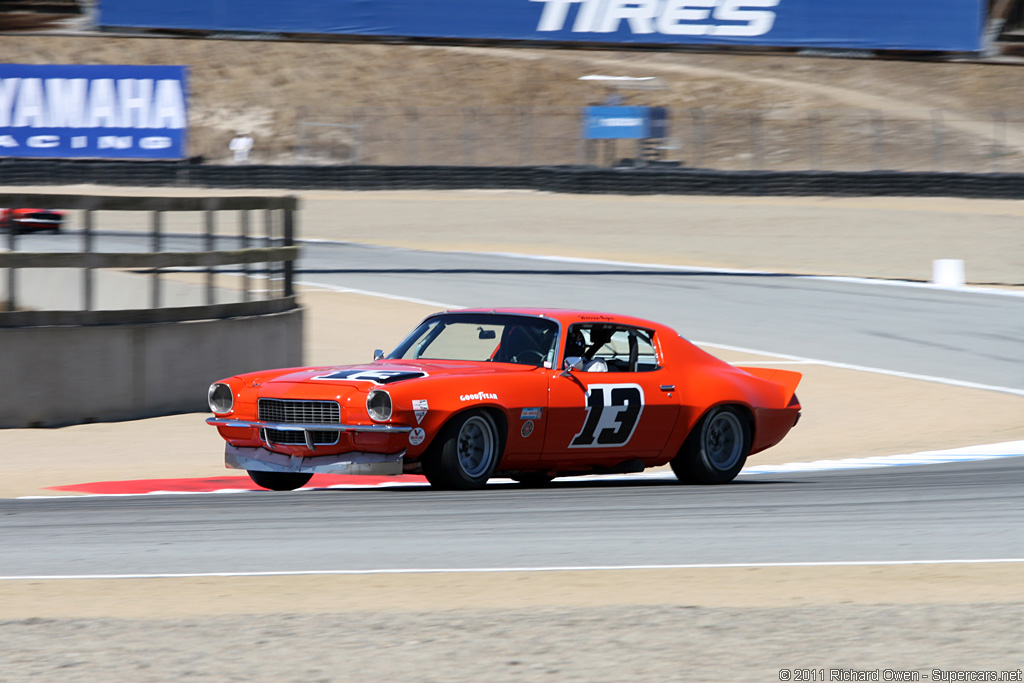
626	412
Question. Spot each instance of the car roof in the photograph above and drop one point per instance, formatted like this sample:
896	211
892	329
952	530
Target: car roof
570	316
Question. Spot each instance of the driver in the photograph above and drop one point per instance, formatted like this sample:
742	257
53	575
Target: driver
576	345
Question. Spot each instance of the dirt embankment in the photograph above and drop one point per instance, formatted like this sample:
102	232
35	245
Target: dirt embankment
411	99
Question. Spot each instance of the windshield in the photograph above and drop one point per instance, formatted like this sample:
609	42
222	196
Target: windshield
525	340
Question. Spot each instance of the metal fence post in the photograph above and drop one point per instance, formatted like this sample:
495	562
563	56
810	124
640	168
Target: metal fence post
87	293
268	227
157	246
243	217
12	273
289	240
209	247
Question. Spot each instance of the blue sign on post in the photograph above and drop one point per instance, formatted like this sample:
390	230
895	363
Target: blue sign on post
616	123
115	112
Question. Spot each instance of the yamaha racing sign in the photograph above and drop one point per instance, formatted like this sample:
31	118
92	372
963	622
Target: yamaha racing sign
116	112
941	25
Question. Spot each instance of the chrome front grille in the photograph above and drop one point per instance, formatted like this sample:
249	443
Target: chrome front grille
299	412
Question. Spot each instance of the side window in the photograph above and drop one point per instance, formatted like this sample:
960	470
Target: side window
616	347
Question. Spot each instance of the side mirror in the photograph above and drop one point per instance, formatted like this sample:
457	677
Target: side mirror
378	354
571	363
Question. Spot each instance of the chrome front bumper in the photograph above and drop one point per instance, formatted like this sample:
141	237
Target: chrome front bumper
262	460
295	427
307	429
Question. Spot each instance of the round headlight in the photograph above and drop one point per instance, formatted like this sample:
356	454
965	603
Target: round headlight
378	405
221	400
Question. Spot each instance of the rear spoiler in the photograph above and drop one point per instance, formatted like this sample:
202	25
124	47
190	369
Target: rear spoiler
786	379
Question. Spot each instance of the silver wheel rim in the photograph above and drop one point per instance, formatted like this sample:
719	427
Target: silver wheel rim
723	441
476	446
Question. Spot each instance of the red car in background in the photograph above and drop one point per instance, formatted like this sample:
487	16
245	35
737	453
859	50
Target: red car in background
31	220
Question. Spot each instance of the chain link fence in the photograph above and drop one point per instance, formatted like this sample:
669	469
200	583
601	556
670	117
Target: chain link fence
778	140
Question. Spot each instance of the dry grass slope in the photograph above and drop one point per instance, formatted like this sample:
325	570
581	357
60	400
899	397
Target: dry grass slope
266	87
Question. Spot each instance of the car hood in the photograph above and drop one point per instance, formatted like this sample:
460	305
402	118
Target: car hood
376	374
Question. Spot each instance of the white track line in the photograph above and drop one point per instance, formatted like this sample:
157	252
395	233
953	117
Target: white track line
506	570
862	368
716	271
738	271
380	295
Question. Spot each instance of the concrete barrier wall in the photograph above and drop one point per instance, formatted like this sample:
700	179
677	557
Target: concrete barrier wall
51	376
86	339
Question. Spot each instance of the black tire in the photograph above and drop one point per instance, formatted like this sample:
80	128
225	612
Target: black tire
466	454
716	449
279	481
533	480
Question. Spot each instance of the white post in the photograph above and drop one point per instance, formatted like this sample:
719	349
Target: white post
948	273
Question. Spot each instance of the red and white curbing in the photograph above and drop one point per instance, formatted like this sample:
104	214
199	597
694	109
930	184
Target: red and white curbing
1008	449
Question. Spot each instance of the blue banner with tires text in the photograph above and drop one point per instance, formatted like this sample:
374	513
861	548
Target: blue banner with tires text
926	25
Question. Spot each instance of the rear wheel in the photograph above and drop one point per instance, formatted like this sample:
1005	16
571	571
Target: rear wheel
279	481
466	454
716	449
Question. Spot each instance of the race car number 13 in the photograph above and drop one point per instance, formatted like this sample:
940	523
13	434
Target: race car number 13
613	411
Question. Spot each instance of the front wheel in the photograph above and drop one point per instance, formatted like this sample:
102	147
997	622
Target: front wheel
466	454
279	481
716	449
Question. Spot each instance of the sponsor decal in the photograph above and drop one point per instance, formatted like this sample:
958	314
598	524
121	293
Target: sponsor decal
420	408
375	376
531	413
613	412
527	429
726	18
479	396
416	436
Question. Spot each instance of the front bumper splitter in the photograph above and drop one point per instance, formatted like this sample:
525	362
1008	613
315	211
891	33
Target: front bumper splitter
262	460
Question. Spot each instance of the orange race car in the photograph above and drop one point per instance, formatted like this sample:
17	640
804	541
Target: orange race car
529	394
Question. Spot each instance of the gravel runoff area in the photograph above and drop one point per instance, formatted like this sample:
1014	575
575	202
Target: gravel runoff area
621	626
666	625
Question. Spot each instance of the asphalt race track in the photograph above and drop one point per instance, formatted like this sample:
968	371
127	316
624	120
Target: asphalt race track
956	334
965	336
966	511
963	511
